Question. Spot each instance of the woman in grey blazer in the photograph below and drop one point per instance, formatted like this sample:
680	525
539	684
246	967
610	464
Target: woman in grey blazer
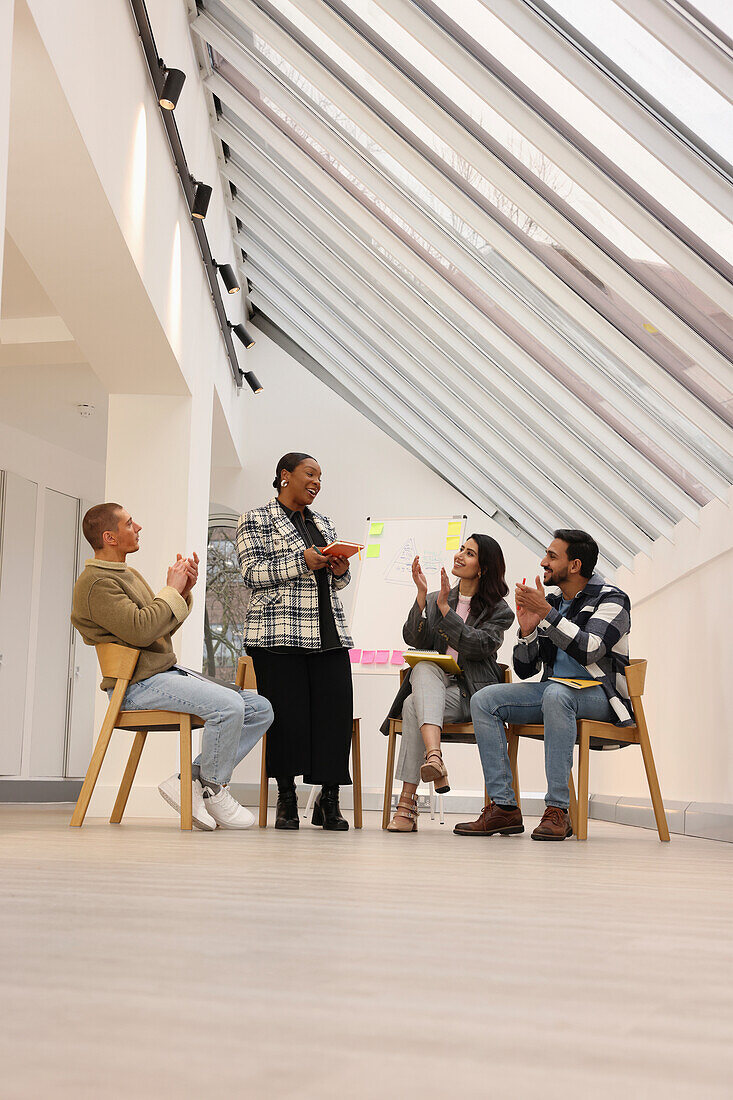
467	621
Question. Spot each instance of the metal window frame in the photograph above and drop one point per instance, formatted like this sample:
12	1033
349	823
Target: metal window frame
669	437
281	192
469	207
536	382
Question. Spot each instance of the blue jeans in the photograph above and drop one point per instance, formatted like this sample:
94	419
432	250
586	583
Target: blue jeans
235	720
556	706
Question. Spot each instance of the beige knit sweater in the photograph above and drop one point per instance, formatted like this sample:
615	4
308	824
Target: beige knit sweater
113	603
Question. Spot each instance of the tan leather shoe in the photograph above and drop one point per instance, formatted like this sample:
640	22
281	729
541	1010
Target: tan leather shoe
435	771
492	819
405	816
555	825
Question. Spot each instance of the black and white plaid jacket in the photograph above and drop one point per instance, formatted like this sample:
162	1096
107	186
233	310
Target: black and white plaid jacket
283	607
595	631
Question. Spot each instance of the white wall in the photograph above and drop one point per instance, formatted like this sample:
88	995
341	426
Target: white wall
682	608
6	46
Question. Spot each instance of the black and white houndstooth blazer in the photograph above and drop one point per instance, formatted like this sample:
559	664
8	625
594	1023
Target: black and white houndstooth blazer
283	608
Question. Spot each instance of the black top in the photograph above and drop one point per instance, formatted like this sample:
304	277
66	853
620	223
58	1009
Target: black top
305	526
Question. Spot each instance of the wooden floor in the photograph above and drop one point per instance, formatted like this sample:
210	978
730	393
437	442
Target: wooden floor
139	962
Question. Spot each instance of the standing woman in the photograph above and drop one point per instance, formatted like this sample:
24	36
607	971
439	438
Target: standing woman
295	632
467	621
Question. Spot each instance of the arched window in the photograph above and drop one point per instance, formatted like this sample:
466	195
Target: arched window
226	600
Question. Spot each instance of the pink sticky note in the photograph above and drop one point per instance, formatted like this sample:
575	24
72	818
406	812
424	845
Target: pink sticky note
382	656
367	657
398	657
355	656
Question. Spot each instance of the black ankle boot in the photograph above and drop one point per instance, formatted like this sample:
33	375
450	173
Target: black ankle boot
286	816
326	810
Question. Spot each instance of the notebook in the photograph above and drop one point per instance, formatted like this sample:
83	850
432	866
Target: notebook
443	660
341	549
572	683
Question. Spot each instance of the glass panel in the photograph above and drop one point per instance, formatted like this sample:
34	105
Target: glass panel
620	313
706	316
655	68
428	253
719	12
226	604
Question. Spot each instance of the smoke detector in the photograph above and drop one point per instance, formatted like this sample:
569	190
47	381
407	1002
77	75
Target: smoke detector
85	410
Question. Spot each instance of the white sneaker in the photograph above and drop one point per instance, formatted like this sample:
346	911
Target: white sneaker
226	811
170	790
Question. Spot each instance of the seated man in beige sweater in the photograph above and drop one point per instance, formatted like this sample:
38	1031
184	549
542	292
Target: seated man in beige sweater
112	603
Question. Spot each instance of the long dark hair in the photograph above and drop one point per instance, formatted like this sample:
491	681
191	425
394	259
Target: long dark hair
492	586
288	462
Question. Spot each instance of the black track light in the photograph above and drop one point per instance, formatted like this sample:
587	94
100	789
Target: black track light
241	332
252	382
228	277
173	83
201	198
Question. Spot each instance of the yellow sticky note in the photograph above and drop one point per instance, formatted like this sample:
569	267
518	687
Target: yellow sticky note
454	529
376	529
453	543
373	550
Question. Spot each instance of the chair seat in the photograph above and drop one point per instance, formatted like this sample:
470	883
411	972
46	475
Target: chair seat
458	733
150	720
598	731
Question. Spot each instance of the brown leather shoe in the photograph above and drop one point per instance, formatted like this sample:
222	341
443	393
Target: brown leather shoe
492	819
555	825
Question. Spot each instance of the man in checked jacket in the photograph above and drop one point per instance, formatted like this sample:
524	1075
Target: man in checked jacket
581	633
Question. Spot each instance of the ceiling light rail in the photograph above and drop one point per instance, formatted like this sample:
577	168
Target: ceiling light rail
168	84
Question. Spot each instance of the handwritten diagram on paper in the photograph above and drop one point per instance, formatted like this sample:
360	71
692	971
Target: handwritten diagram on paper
400	569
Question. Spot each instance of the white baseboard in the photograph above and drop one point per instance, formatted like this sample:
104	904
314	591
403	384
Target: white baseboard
709	820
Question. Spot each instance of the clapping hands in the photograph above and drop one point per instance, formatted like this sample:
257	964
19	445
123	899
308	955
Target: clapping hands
183	574
532	607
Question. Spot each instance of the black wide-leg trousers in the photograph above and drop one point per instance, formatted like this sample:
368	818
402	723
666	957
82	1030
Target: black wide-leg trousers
312	696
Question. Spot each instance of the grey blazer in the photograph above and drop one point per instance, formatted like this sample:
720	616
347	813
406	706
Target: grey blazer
476	641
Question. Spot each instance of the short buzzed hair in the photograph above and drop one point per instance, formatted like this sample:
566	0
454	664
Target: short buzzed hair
100	518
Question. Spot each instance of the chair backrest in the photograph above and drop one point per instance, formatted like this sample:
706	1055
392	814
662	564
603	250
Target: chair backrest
246	674
117	661
503	668
636	677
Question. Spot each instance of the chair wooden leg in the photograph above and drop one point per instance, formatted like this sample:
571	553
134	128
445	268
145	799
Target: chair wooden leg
356	768
126	784
389	777
583	766
90	779
573	806
264	782
512	742
651	775
186	780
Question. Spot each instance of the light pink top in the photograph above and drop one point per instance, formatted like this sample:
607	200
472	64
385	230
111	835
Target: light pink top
462	609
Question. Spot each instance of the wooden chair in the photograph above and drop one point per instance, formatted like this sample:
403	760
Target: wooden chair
603	732
453	733
246	679
118	662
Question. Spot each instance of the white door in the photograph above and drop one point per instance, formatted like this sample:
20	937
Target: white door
54	650
18	499
84	686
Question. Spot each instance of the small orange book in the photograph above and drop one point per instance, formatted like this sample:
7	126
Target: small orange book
341	549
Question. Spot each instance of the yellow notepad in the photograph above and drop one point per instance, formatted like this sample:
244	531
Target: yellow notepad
571	682
446	662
